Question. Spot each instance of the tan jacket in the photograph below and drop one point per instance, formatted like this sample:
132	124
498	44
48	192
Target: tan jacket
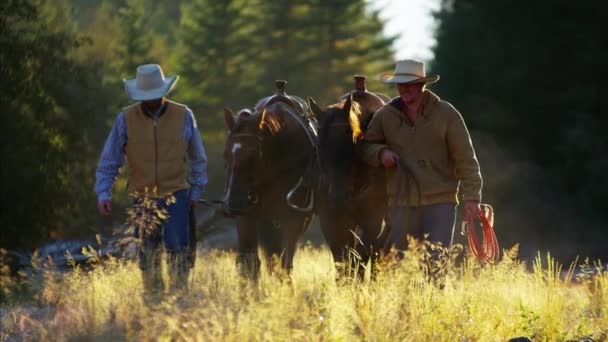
156	152
438	150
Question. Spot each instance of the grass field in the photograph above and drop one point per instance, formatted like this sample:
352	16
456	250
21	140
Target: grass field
474	303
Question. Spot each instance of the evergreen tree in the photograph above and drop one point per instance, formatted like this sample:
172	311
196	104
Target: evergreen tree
137	37
527	74
352	43
319	45
49	107
214	38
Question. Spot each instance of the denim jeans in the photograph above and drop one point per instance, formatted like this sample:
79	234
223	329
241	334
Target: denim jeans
437	220
173	232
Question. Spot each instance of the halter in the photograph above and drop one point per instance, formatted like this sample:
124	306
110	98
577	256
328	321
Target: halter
259	140
303	178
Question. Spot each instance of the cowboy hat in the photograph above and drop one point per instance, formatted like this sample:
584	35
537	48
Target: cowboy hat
149	83
408	71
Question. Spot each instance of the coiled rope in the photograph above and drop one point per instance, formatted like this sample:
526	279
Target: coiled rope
488	250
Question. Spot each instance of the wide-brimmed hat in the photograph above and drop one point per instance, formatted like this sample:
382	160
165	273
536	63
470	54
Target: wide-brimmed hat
409	71
149	83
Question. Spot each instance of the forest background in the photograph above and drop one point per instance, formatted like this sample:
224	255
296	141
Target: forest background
527	77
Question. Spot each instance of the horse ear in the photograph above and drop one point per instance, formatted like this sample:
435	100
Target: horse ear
314	108
228	118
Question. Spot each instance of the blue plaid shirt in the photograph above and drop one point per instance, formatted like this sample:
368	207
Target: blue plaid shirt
113	156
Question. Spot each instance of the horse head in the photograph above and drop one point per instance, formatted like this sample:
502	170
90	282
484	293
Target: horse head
243	154
340	128
263	149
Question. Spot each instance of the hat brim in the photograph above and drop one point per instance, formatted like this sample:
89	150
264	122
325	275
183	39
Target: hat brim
392	78
149	94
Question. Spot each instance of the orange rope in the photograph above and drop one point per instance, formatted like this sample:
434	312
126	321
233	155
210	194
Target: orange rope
488	250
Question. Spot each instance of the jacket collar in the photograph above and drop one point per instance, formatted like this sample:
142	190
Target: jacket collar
429	100
154	115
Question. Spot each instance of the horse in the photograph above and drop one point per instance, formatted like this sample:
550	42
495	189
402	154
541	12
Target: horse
352	199
269	155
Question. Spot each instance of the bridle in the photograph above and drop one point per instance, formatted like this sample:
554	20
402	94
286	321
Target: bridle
303	178
259	140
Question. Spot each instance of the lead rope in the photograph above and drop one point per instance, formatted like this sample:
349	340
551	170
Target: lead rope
488	250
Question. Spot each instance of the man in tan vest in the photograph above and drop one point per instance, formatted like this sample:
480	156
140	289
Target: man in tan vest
424	145
167	162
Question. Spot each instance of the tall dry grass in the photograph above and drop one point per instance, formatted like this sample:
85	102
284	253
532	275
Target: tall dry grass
466	302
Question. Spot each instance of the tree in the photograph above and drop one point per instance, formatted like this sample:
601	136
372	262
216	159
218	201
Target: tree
45	133
212	57
135	46
320	45
527	75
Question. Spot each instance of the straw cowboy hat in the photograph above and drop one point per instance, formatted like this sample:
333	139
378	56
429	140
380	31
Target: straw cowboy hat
409	71
149	83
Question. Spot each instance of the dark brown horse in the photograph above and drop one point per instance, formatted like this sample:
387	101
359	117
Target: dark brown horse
269	153
352	195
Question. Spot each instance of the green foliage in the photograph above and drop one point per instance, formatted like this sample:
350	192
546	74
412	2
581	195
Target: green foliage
230	53
134	49
526	76
50	108
62	65
212	57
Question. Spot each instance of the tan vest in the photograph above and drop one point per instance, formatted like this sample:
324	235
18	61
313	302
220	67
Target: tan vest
156	153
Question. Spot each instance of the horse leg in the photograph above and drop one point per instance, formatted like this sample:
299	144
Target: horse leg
247	259
372	244
338	237
292	232
371	218
270	237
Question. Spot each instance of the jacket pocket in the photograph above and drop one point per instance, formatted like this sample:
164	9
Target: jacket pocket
442	174
440	179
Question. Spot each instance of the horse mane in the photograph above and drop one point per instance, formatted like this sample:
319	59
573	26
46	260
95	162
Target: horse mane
266	121
353	117
270	122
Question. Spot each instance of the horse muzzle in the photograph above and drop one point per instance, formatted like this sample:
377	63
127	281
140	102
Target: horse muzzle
241	206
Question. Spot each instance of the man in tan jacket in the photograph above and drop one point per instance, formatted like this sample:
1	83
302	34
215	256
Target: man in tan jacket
424	145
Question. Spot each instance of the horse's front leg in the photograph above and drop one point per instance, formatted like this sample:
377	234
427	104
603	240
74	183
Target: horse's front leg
373	235
338	235
372	241
293	230
247	260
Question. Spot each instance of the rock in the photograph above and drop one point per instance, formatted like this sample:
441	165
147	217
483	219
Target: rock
520	339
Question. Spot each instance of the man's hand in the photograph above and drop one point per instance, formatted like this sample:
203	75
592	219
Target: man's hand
193	203
388	158
105	207
471	210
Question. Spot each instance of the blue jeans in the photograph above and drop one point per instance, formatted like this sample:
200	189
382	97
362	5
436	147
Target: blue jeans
437	220
173	232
